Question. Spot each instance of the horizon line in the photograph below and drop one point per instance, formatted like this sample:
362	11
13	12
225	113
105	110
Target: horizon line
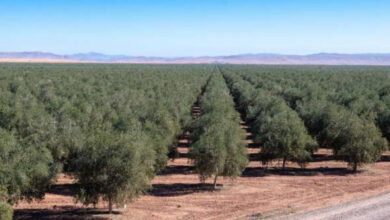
194	56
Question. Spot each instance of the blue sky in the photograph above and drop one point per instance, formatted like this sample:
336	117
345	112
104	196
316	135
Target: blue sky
195	27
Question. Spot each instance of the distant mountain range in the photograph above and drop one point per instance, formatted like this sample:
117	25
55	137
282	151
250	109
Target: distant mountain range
312	59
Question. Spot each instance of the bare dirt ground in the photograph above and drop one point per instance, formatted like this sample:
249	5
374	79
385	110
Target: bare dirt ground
374	207
258	194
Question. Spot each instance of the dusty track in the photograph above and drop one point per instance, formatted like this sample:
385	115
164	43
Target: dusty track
376	207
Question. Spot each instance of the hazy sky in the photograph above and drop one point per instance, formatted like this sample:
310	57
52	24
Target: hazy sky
195	27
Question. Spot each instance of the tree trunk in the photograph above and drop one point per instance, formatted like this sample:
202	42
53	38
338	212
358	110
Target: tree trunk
284	163
109	205
355	167
215	180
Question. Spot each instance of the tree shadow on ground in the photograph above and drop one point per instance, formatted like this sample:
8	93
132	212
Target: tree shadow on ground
184	145
261	172
254	145
385	158
61	212
179	189
63	189
325	157
181	169
329	157
253	157
182	155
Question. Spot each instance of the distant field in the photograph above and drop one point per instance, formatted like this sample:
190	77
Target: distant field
190	141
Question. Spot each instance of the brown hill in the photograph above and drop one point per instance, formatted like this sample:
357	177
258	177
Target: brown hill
313	59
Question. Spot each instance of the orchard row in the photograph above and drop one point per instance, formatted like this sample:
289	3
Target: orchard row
113	127
110	126
294	110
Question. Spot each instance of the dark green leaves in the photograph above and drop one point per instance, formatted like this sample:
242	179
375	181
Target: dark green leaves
218	147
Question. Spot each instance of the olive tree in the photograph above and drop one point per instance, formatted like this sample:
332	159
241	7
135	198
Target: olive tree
357	141
25	171
218	147
6	212
283	136
209	154
114	167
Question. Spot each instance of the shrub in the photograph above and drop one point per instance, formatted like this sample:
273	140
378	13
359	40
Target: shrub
6	212
115	168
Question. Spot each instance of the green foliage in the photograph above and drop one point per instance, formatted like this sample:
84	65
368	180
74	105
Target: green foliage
343	108
218	147
122	121
25	170
274	124
357	141
6	212
52	114
284	136
208	152
114	168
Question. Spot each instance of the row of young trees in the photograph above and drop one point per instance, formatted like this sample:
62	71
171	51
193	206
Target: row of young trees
352	136
362	90
218	143
273	123
110	126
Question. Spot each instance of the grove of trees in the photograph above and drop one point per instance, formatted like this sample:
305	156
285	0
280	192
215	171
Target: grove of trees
342	108
278	127
114	126
110	126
